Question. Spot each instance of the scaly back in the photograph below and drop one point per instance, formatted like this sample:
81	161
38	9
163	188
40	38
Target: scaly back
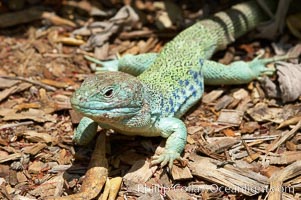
179	60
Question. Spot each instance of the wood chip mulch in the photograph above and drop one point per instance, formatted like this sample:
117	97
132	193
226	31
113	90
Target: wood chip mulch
243	141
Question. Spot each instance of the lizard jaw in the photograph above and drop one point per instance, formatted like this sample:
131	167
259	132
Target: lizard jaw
106	113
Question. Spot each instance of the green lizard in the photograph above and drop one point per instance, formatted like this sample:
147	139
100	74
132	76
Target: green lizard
169	83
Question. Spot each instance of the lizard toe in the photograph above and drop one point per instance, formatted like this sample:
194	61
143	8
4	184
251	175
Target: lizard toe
165	158
267	71
164	162
156	160
111	65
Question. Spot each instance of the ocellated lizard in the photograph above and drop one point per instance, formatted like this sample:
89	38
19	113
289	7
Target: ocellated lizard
169	83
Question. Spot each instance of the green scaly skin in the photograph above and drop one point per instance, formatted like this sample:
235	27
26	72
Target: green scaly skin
169	82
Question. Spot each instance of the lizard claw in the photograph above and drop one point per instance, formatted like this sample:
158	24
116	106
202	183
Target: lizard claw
109	65
268	71
164	158
259	69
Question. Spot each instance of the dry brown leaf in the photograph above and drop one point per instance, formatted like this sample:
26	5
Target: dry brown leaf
125	18
288	86
271	89
289	80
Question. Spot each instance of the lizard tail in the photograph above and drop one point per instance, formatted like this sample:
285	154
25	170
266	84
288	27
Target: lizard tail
237	21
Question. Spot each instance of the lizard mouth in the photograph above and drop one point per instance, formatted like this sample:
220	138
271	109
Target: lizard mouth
106	112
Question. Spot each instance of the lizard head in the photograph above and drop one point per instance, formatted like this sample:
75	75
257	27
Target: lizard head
109	96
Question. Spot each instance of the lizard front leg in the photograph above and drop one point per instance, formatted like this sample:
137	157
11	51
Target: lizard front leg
85	131
131	64
175	131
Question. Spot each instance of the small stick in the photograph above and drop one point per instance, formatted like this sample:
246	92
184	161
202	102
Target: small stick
284	138
96	175
277	179
47	87
15	125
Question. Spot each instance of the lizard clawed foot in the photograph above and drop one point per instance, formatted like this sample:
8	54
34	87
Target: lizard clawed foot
164	158
258	66
110	65
267	71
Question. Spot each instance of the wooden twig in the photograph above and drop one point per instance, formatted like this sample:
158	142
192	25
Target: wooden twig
96	175
276	181
47	87
293	120
114	187
284	138
15	125
235	179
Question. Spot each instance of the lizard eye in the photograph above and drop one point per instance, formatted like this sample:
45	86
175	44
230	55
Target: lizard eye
108	93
